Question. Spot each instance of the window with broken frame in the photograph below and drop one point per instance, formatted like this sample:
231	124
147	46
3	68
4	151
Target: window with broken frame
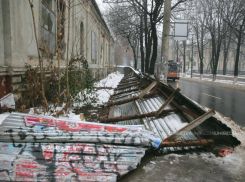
48	35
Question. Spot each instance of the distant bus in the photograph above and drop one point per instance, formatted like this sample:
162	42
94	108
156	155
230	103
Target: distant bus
173	70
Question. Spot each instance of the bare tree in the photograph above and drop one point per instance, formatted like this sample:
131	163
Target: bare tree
235	19
199	20
217	30
216	24
140	18
124	23
39	56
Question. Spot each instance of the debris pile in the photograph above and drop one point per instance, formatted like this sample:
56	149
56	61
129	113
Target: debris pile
181	124
42	148
142	114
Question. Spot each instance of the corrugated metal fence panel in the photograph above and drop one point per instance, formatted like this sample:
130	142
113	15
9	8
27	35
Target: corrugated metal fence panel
49	129
68	150
126	90
127	109
62	162
163	126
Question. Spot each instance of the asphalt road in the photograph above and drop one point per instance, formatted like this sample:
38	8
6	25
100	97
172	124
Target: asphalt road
230	103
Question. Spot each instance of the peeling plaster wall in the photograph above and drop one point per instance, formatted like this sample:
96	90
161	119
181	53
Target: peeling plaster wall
18	44
18	40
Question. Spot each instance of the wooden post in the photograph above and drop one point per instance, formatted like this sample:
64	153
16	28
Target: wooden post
190	126
153	92
122	101
67	56
184	143
136	116
167	102
194	115
136	89
153	84
134	82
125	87
39	56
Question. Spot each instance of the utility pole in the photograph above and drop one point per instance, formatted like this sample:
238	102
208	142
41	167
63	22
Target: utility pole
177	51
191	56
184	46
165	39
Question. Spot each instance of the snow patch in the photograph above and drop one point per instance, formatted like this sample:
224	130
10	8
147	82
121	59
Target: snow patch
74	116
237	131
104	95
87	97
8	100
218	80
3	116
112	80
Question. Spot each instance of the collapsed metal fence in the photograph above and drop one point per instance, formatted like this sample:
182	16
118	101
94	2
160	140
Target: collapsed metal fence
144	114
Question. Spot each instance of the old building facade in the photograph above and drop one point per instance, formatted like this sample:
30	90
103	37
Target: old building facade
89	37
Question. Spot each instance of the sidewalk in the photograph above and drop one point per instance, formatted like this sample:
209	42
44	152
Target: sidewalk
221	80
221	77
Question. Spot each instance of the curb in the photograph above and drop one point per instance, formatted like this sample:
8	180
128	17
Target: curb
230	86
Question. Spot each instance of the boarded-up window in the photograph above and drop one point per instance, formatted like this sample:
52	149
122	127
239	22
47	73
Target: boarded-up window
48	28
94	43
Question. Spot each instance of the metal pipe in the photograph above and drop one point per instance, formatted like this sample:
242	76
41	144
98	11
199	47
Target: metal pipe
184	143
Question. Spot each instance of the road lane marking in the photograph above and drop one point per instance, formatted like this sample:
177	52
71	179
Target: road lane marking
211	96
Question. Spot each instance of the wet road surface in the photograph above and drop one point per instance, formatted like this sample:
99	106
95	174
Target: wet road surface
229	102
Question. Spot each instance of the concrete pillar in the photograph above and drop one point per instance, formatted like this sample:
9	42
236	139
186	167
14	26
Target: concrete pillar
2	55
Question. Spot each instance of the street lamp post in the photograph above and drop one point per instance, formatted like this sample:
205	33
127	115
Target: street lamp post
192	57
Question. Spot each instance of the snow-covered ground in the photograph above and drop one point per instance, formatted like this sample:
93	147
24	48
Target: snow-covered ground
218	80
102	95
112	80
227	76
